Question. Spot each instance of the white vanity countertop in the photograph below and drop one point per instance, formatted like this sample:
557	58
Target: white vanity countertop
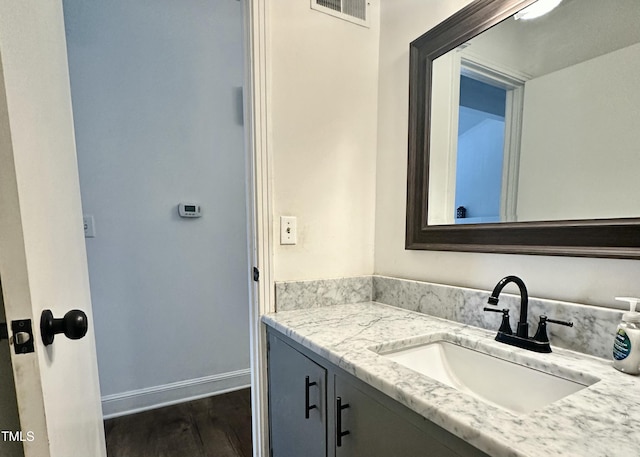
600	420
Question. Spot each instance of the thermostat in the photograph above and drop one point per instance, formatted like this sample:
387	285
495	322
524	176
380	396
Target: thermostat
189	210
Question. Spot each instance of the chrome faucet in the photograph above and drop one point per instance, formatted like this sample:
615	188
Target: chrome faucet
540	342
522	330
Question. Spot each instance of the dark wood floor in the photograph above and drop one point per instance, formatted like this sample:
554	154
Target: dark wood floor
218	426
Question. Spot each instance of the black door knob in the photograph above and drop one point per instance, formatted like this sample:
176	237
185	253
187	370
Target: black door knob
74	325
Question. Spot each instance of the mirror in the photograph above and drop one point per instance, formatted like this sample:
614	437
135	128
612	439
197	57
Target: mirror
543	119
523	134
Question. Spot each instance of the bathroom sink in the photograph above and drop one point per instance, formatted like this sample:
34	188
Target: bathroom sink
508	385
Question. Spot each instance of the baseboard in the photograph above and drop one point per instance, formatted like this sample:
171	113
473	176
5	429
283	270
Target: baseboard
135	401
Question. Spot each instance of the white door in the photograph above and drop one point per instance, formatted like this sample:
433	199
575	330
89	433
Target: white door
42	253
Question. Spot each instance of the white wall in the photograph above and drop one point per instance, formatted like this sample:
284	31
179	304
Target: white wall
593	281
323	101
580	140
444	125
155	98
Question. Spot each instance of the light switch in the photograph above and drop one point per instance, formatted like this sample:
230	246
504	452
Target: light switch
288	230
89	226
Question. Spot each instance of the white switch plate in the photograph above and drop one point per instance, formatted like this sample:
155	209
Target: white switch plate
288	230
89	226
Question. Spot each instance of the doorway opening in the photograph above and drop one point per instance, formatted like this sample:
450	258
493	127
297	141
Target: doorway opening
487	155
157	94
481	124
10	446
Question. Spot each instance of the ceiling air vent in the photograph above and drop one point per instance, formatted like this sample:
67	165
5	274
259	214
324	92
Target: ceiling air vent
355	11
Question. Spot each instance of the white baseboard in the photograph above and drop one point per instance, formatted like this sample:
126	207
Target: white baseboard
135	401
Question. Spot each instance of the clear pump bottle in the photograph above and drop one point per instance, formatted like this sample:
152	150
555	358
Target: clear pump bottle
626	346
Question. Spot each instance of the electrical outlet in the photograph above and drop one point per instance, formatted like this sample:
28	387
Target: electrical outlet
89	226
288	230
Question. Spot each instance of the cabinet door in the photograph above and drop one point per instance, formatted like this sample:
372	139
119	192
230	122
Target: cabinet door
375	431
297	407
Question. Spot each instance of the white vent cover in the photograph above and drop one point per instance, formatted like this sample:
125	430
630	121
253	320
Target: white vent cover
355	11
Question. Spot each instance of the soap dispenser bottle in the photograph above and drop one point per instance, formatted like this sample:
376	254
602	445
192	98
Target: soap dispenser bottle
626	346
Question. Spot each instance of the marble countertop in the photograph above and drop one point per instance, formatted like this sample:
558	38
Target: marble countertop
600	420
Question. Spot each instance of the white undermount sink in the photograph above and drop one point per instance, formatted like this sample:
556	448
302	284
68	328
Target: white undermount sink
508	385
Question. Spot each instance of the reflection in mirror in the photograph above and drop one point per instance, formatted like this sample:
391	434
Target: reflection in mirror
538	120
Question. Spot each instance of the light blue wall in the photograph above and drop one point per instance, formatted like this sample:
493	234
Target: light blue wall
155	88
480	151
479	165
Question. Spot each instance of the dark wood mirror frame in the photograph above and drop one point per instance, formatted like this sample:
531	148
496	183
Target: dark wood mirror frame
613	238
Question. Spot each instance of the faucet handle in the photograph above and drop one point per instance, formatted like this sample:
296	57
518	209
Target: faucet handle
541	333
505	326
554	321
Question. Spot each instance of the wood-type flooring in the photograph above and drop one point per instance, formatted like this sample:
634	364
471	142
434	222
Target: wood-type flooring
218	426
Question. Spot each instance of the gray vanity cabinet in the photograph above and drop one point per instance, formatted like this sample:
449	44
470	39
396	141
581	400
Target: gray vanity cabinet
376	431
346	417
297	406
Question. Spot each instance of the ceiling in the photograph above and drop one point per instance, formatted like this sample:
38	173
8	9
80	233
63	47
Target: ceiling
576	31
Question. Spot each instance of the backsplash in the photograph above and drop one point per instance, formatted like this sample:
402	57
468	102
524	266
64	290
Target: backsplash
592	332
324	292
